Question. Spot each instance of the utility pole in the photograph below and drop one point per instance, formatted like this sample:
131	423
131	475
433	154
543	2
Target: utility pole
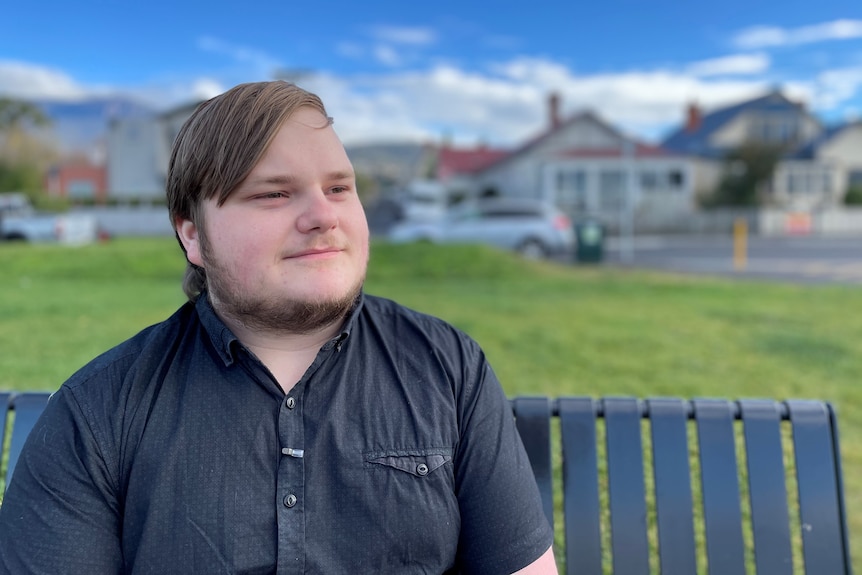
627	224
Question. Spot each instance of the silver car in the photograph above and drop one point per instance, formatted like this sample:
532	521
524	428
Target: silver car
533	228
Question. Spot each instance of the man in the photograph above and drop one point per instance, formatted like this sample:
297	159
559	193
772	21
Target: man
281	421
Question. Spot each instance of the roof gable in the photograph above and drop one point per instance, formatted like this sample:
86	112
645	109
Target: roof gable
697	142
570	124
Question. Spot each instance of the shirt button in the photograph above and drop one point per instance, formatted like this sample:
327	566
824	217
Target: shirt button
291	403
289	500
422	469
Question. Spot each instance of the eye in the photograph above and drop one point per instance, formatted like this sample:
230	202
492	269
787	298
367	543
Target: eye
272	195
339	189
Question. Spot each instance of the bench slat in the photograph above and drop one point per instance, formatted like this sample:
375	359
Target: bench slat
28	407
767	487
5	400
626	486
581	506
533	420
719	480
824	547
675	520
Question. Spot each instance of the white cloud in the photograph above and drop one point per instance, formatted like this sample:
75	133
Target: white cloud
765	36
737	64
206	88
387	55
23	80
502	105
259	60
509	104
834	87
413	36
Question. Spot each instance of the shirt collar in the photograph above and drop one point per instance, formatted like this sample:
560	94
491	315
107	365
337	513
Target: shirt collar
226	343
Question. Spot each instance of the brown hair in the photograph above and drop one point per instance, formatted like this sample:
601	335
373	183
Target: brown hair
219	145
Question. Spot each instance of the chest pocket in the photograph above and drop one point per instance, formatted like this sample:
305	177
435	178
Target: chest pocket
416	462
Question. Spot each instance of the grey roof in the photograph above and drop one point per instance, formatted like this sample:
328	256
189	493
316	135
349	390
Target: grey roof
697	142
809	149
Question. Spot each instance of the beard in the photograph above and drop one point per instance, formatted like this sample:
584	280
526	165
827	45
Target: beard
273	314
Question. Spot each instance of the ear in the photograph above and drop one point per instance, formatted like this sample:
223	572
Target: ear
187	231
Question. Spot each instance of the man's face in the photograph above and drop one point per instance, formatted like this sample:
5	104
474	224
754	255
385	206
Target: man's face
288	250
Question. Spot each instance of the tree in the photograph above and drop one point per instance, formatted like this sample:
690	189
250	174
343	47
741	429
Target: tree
16	114
747	171
23	156
853	197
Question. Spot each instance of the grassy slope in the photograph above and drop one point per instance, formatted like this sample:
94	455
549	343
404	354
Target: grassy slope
546	329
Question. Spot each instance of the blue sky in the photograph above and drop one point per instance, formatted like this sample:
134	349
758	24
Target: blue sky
471	71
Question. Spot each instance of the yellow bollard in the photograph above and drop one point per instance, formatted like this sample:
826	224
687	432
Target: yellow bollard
740	244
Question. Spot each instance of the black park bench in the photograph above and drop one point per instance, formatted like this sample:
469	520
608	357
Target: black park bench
607	444
692	492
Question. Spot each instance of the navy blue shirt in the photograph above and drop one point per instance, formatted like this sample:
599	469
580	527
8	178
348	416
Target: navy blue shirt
178	452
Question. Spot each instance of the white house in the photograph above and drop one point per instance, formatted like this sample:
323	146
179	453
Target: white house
819	164
583	165
139	150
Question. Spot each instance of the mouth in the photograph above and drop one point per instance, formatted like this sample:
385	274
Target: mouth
315	253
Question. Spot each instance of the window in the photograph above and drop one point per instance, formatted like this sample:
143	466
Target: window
775	128
676	179
649	181
611	190
572	189
81	189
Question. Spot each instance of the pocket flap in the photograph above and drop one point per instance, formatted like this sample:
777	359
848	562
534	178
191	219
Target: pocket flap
416	464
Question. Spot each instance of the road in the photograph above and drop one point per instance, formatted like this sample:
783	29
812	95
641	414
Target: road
800	259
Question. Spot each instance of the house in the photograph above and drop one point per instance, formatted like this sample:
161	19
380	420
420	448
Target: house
583	165
139	150
77	178
817	165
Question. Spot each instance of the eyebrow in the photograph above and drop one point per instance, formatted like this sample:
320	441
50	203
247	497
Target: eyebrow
287	179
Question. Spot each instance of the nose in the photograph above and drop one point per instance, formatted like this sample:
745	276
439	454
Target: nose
318	214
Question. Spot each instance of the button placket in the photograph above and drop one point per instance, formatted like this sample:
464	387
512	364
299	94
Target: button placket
291	487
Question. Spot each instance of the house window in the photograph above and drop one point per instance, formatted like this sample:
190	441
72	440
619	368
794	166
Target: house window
676	179
774	128
572	189
611	190
81	189
649	181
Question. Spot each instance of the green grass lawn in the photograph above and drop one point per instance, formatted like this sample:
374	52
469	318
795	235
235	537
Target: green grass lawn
546	329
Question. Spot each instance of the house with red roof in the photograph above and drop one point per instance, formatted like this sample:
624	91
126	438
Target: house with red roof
582	164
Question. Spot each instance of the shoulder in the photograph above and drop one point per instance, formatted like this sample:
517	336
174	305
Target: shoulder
145	349
403	322
428	343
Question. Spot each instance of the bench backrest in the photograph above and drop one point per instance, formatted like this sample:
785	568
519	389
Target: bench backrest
725	509
608	479
27	408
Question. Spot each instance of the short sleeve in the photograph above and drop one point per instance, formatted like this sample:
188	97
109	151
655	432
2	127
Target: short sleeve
59	514
503	525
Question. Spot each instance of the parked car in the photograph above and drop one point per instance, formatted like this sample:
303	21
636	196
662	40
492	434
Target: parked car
533	228
20	222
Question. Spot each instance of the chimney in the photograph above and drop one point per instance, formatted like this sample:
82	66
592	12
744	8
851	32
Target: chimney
693	119
554	111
